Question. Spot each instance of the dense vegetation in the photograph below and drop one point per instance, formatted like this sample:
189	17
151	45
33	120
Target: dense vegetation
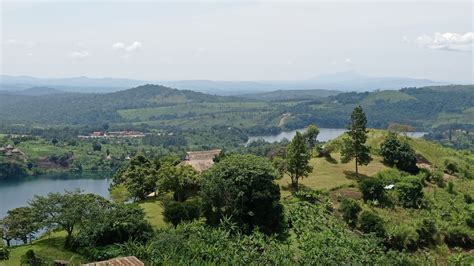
157	105
406	201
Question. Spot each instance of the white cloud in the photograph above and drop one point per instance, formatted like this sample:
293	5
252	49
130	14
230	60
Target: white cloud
79	54
120	46
447	41
134	47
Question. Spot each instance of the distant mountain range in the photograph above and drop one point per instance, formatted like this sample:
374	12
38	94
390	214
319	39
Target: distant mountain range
344	81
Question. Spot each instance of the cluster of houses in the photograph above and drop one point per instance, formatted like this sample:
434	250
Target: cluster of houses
113	134
9	150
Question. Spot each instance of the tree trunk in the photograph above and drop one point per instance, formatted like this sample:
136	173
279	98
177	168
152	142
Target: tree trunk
357	168
294	182
8	242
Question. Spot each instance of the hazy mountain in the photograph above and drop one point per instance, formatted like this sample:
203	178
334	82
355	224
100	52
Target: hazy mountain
35	91
285	95
344	81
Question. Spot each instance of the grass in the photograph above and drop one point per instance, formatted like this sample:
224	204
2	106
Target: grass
330	174
50	247
154	212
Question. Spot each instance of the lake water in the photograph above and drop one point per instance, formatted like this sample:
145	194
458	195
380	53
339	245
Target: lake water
16	193
325	134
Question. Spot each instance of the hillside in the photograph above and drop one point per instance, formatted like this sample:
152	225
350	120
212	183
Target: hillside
154	105
290	95
91	108
422	108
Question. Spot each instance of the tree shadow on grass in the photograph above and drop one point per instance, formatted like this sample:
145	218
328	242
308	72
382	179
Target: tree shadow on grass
353	176
329	159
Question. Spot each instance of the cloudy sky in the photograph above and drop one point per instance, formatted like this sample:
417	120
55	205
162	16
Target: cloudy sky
237	41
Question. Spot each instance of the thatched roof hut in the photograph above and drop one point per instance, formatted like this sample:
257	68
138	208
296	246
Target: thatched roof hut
124	261
200	160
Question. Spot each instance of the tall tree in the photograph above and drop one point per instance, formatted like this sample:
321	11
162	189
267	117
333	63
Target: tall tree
297	158
139	177
354	146
183	181
66	210
242	189
311	135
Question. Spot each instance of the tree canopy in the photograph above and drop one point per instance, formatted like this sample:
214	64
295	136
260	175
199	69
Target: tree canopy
242	188
297	159
354	145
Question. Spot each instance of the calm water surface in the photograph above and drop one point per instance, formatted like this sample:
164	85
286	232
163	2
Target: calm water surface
325	134
16	193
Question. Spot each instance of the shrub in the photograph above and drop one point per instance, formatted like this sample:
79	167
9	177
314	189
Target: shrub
458	236
350	210
389	176
96	146
398	153
30	258
468	198
428	233
373	189
402	237
4	251
470	219
177	212
425	175
410	192
451	188
451	167
370	222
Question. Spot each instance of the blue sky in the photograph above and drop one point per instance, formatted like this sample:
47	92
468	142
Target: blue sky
237	41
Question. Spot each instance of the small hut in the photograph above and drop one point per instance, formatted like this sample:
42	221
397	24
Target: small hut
124	261
200	160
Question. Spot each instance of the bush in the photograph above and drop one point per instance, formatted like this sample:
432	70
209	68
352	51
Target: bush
459	237
4	251
350	210
373	189
177	212
451	188
470	219
96	146
30	258
410	192
112	225
370	222
398	153
451	167
468	198
428	233
389	176
402	237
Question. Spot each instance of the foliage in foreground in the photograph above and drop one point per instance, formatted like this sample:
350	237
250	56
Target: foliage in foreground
325	240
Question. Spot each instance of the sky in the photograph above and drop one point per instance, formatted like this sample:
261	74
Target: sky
237	40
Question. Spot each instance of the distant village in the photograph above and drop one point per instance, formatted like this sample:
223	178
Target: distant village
113	134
